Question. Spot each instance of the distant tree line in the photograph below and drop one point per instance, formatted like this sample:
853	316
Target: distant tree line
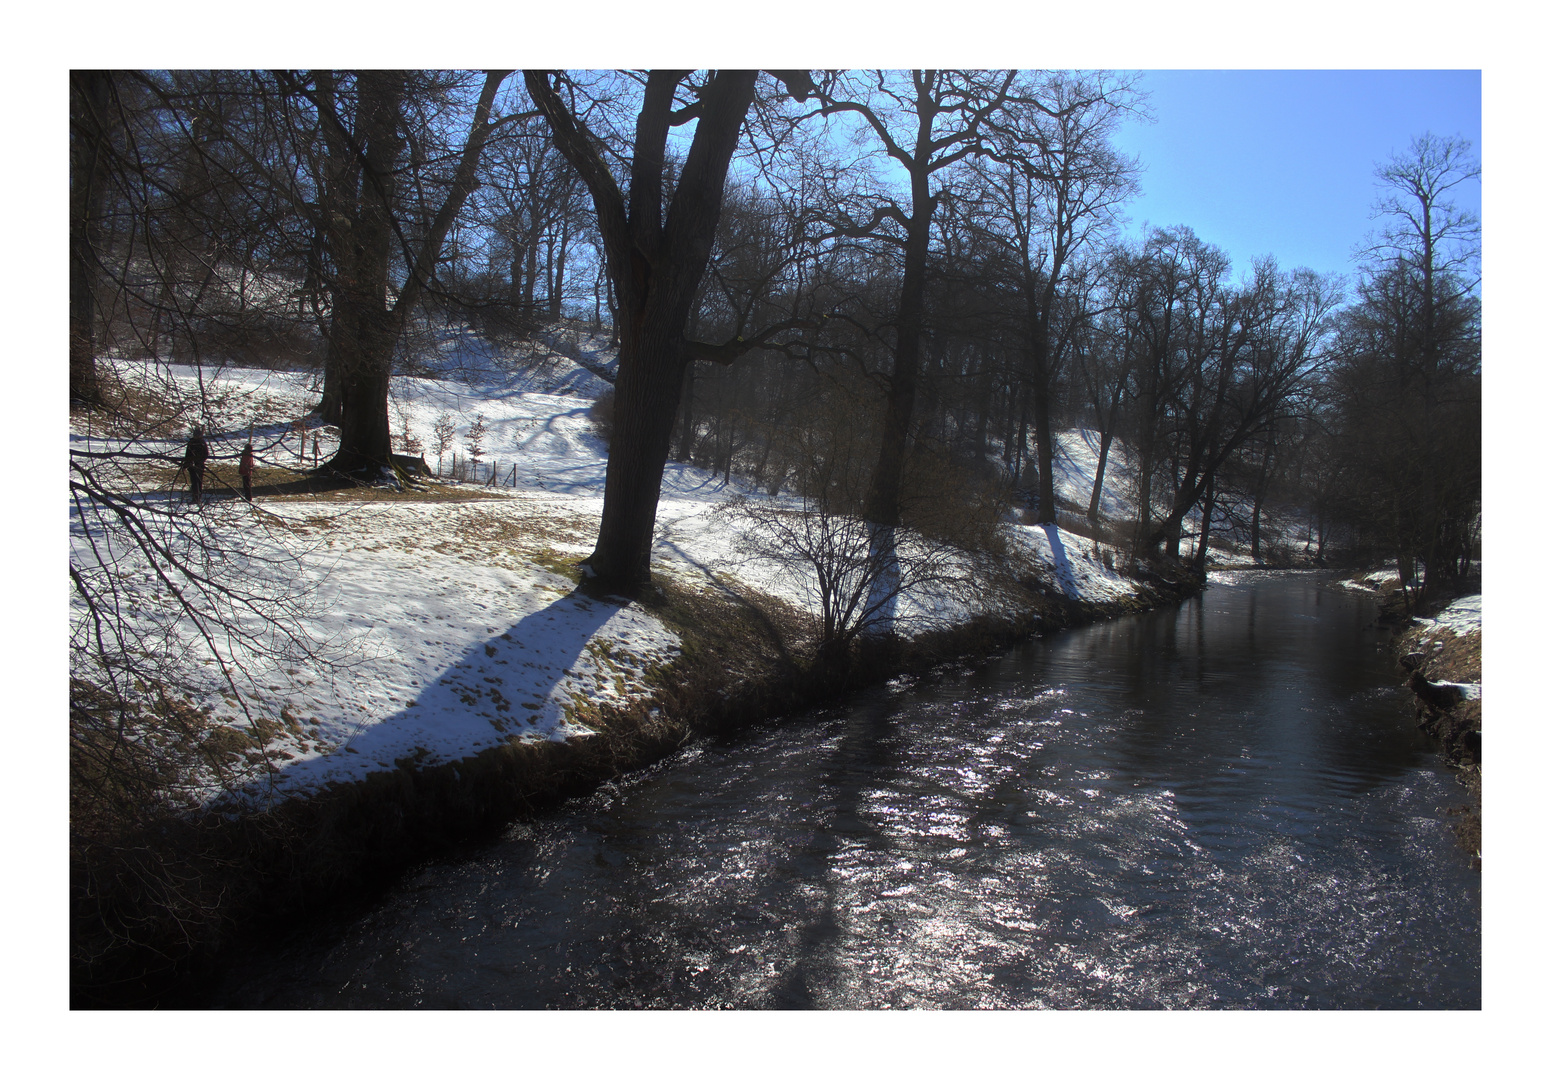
927	260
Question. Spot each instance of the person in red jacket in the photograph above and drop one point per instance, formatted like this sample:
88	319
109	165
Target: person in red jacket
245	469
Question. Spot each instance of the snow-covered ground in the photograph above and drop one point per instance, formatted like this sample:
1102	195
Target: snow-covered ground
1076	464
1463	616
447	632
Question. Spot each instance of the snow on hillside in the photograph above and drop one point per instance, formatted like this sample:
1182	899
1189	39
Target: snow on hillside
450	633
558	361
1076	464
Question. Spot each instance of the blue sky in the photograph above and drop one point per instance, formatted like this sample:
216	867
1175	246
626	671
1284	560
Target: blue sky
1281	162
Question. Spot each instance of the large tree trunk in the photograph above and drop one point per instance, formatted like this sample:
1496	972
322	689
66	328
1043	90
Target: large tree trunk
330	408
1199	562
651	370
337	208
1254	517
883	498
90	93
343	328
1040	378
655	263
1107	421
365	438
1044	442
366	326
883	495
1142	543
557	282
530	271
1262	486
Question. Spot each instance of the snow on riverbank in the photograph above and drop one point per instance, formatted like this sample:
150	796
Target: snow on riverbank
1463	616
448	630
1374	582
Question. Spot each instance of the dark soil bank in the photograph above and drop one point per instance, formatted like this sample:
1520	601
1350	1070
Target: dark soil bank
152	915
1435	658
1220	804
1454	721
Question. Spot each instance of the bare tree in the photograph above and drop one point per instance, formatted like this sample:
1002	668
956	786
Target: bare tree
1104	368
827	550
926	122
656	245
1404	401
1429	247
91	123
363	233
1055	185
1241	355
531	202
443	430
479	430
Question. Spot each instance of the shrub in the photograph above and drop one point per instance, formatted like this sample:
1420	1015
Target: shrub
478	431
601	414
855	572
443	431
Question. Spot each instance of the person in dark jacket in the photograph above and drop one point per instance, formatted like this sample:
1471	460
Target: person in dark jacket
245	470
194	458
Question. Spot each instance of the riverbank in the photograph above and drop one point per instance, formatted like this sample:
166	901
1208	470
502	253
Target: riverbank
743	658
425	667
1205	806
1441	655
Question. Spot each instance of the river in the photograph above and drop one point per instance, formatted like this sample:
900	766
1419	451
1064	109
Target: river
1219	805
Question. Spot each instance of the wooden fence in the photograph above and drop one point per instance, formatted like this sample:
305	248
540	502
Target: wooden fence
492	473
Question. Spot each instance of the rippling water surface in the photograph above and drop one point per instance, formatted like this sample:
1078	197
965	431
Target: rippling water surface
1219	805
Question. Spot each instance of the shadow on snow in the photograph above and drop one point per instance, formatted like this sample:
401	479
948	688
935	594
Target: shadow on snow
1063	567
503	687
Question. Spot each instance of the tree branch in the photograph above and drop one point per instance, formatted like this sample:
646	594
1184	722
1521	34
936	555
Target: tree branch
729	351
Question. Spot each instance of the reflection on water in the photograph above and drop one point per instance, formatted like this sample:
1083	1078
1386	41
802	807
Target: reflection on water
1219	805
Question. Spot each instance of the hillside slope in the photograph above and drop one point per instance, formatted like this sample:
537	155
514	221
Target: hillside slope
439	623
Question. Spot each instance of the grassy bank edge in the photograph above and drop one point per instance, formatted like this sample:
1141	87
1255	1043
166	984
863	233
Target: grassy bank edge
152	915
1456	658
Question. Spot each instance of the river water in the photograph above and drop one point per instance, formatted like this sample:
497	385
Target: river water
1219	805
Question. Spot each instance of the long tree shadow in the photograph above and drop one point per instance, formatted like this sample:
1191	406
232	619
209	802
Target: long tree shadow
1063	566
758	614
219	488
507	686
865	756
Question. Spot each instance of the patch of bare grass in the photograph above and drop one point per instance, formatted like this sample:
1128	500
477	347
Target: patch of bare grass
558	563
427	493
526	527
516	535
